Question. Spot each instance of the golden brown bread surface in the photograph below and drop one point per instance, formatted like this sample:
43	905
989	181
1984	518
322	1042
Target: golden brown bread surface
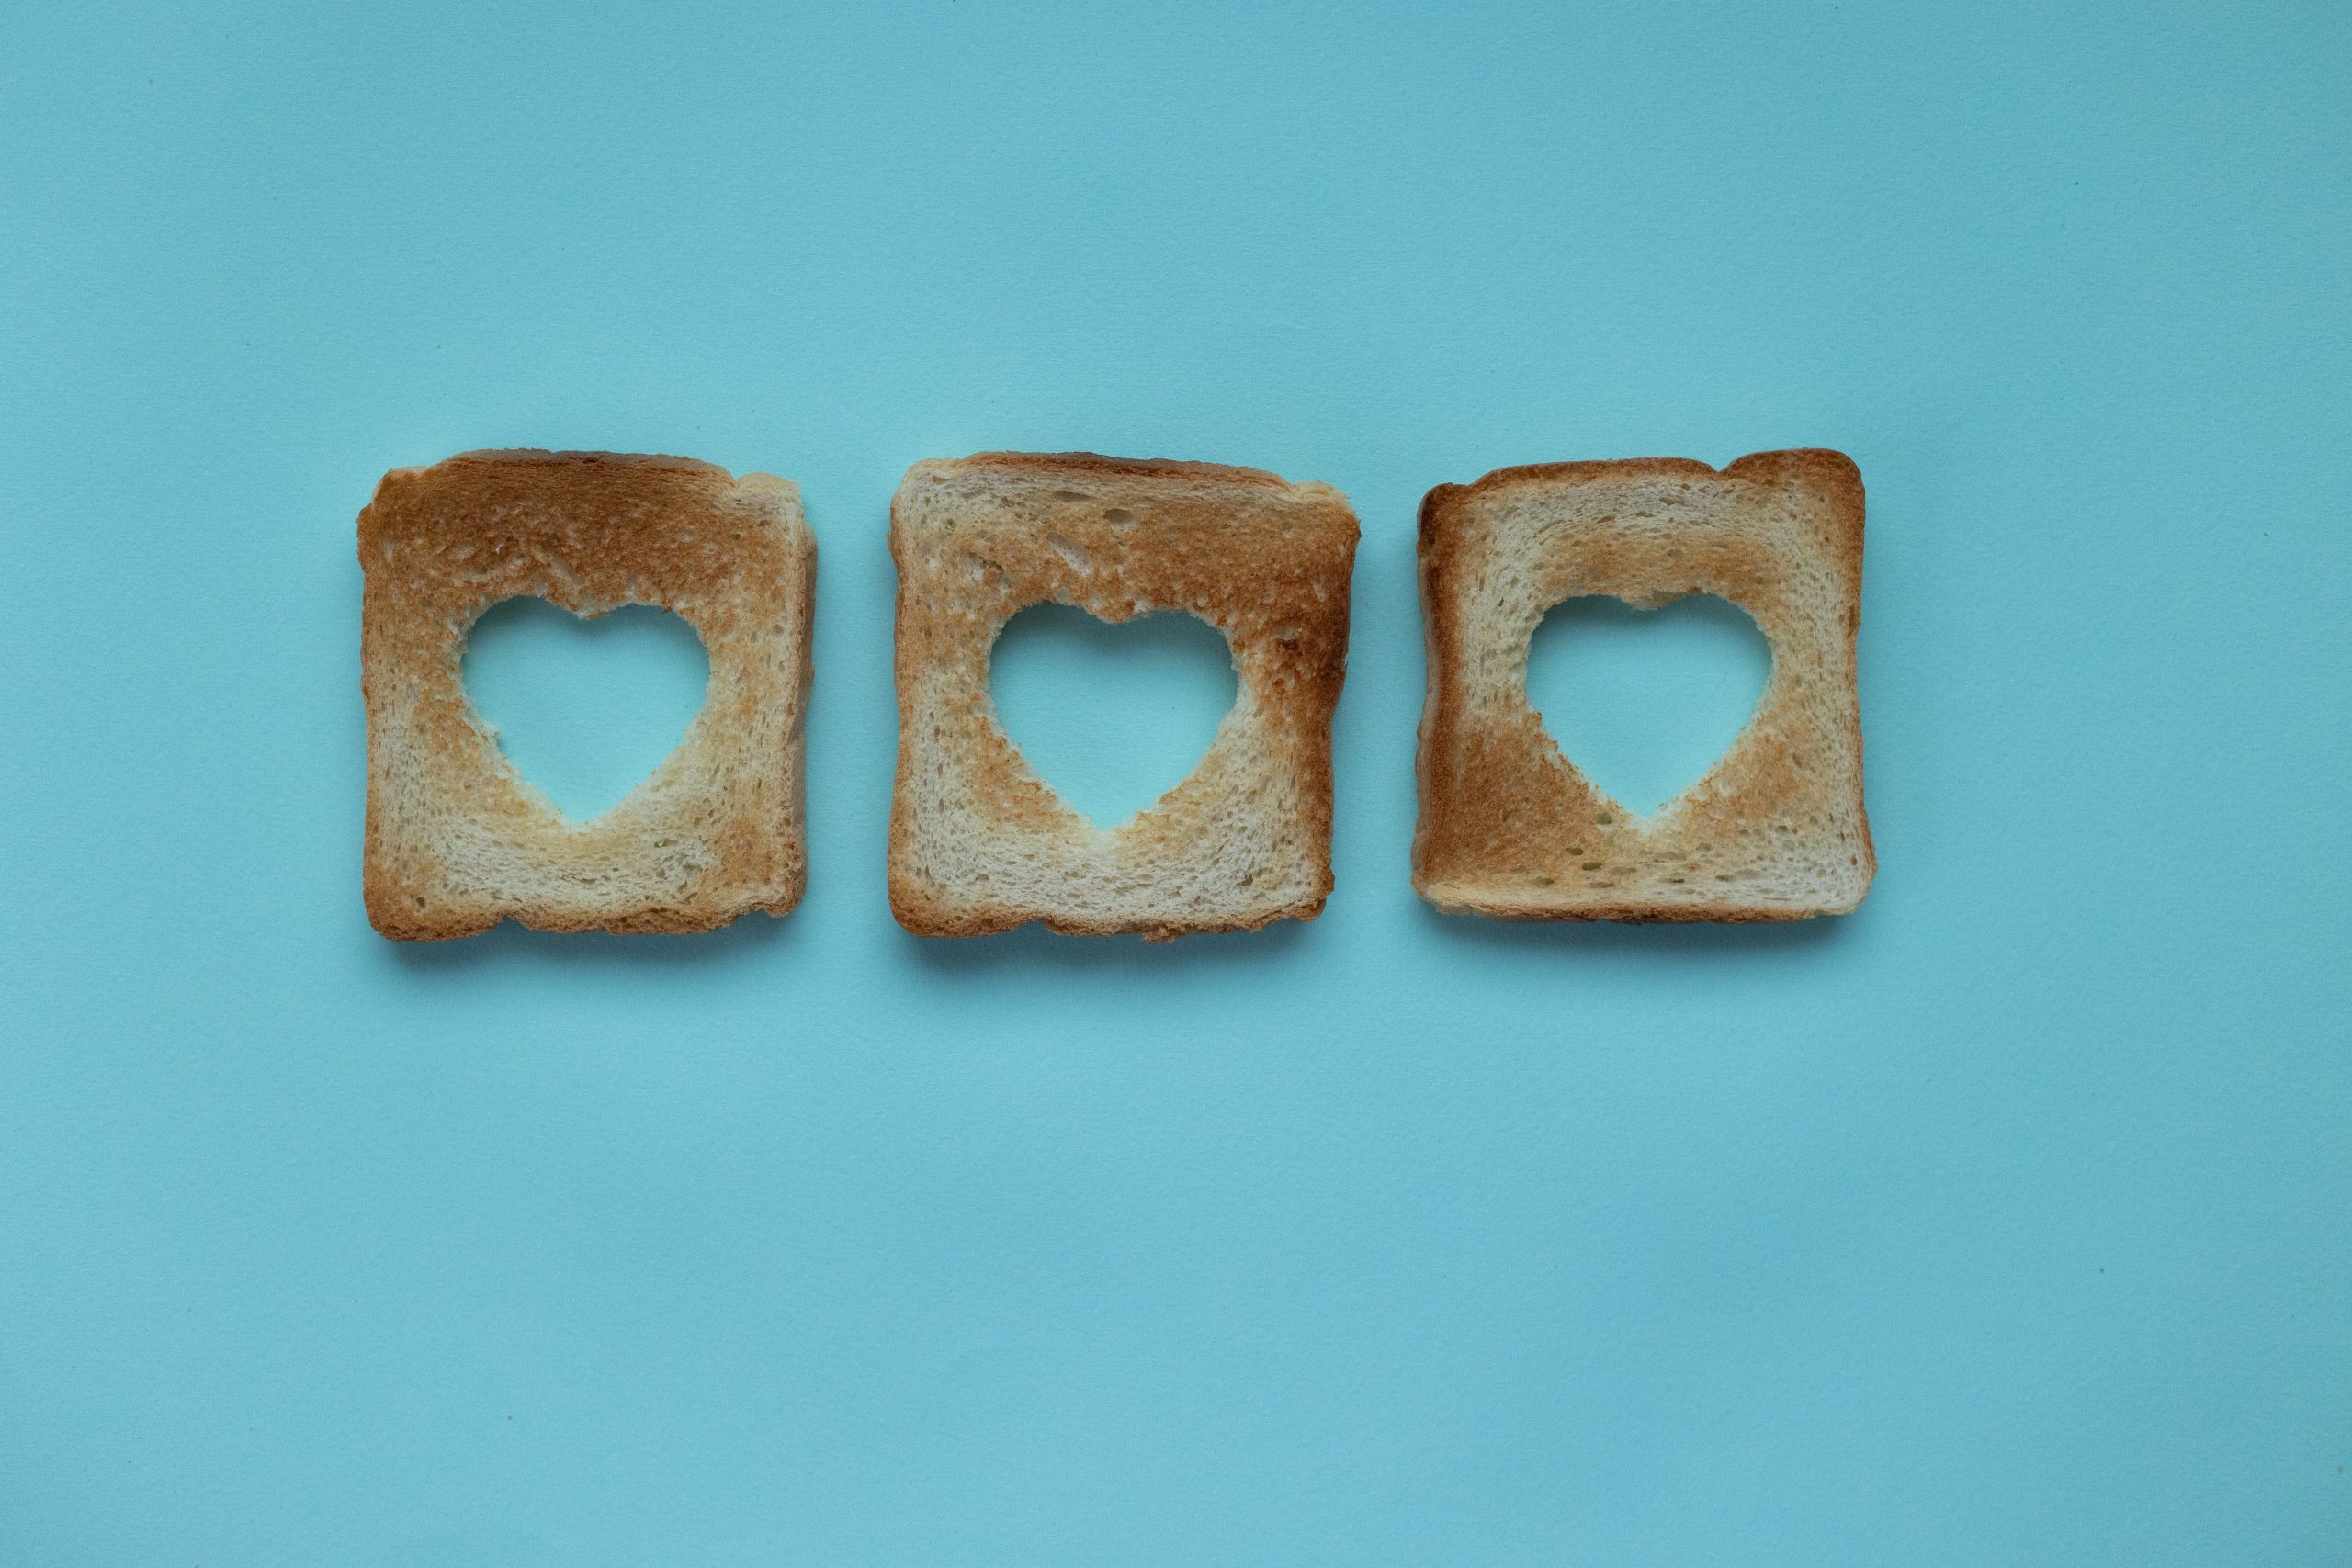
455	838
1509	826
979	842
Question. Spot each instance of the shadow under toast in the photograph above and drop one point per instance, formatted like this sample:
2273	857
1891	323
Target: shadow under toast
509	942
1664	938
1034	947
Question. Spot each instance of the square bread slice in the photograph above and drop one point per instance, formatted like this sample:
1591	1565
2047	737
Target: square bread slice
456	839
979	842
1775	829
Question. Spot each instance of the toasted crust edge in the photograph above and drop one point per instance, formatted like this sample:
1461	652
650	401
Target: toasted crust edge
920	916
1629	914
1127	467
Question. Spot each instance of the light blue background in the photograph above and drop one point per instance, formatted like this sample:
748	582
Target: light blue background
2006	1222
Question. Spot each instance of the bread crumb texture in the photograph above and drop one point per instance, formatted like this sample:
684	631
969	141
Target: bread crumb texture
456	840
1509	826
979	842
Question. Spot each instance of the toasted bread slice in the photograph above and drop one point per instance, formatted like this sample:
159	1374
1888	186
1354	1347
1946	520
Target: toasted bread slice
456	839
979	842
1775	829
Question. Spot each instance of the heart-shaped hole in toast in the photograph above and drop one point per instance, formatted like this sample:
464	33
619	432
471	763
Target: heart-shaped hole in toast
1645	702
585	708
1111	715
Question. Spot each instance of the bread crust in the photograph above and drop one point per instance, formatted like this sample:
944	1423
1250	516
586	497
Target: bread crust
1266	562
1508	827
455	838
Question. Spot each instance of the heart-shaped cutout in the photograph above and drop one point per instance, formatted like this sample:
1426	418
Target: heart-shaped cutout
585	708
1112	716
1645	701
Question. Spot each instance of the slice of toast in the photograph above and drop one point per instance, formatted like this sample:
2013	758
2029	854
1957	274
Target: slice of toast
1775	829
456	839
979	842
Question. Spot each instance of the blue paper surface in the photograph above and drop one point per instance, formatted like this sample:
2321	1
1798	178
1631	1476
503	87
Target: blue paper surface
2003	1221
